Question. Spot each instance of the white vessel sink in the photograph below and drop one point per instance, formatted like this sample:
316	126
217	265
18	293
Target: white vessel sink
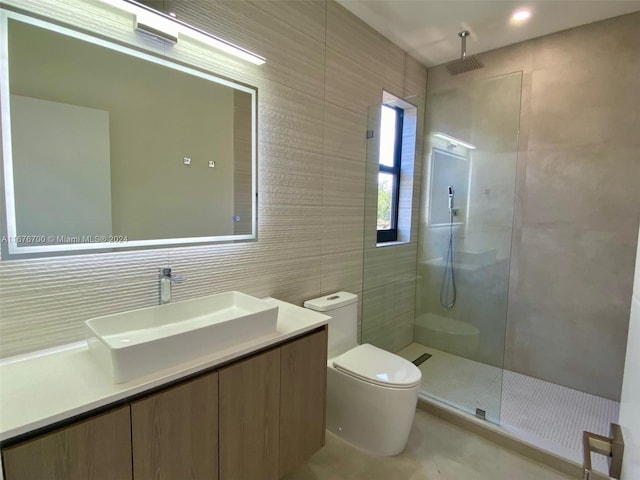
136	343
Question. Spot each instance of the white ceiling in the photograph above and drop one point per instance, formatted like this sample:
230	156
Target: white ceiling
428	29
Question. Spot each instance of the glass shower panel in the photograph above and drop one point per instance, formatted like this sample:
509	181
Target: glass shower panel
464	248
389	271
378	289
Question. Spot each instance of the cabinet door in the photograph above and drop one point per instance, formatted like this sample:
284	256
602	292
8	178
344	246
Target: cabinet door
249	418
303	384
175	432
95	449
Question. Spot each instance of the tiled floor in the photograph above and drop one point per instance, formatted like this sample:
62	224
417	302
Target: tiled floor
437	450
548	415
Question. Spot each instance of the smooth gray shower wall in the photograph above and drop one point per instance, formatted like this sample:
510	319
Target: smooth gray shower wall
577	201
324	68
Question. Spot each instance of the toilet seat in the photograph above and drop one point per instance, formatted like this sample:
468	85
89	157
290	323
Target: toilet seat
374	365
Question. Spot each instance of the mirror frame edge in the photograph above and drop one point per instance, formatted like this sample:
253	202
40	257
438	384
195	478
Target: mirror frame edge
10	250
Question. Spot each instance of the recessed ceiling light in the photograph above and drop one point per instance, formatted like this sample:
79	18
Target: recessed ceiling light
520	16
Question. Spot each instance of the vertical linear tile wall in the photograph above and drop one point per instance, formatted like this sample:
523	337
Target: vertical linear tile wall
324	68
577	201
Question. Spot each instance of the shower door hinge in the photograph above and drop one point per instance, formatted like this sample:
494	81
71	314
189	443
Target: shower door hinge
481	414
369	133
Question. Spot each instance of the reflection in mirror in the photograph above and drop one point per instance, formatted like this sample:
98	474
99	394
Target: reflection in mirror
108	147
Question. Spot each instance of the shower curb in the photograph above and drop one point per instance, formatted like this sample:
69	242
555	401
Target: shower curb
501	437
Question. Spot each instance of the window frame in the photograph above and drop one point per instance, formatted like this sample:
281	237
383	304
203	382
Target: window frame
391	234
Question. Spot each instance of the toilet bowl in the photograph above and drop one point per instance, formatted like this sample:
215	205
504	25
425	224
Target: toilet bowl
371	393
447	334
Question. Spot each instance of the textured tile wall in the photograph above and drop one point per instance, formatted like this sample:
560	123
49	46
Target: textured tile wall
324	68
577	201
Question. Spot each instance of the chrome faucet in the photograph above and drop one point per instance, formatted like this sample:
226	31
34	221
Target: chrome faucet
166	277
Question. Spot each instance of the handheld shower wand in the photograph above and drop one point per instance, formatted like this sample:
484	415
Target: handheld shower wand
448	286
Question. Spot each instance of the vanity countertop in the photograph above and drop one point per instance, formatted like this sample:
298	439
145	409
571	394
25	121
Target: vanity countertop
41	390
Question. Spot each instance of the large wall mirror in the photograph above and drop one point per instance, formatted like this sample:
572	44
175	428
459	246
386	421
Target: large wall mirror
107	147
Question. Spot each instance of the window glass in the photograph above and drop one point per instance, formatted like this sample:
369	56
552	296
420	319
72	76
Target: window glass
385	200
389	172
387	136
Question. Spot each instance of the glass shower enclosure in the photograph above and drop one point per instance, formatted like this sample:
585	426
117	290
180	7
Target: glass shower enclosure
441	297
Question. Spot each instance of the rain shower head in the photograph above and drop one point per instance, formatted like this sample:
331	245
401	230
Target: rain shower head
465	63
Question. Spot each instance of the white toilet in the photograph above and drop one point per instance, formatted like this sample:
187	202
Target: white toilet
371	393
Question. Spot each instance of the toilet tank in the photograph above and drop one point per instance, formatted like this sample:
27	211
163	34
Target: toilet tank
342	307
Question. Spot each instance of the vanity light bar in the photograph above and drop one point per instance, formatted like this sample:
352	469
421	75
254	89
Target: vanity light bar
157	26
169	28
454	140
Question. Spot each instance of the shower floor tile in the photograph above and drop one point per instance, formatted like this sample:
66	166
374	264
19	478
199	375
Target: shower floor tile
458	381
533	409
550	416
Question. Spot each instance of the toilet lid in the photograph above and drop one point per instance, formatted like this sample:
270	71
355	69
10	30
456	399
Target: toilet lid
378	366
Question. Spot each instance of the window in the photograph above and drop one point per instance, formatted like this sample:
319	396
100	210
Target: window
389	172
391	159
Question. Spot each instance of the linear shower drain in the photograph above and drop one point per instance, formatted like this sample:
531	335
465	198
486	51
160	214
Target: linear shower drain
421	359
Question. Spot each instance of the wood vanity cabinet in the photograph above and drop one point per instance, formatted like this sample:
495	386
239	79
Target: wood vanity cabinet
250	418
272	410
303	394
95	449
175	432
257	418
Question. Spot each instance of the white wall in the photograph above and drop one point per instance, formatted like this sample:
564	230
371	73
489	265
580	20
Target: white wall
630	400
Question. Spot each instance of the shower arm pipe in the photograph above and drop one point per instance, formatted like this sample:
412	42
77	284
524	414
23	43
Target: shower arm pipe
463	44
